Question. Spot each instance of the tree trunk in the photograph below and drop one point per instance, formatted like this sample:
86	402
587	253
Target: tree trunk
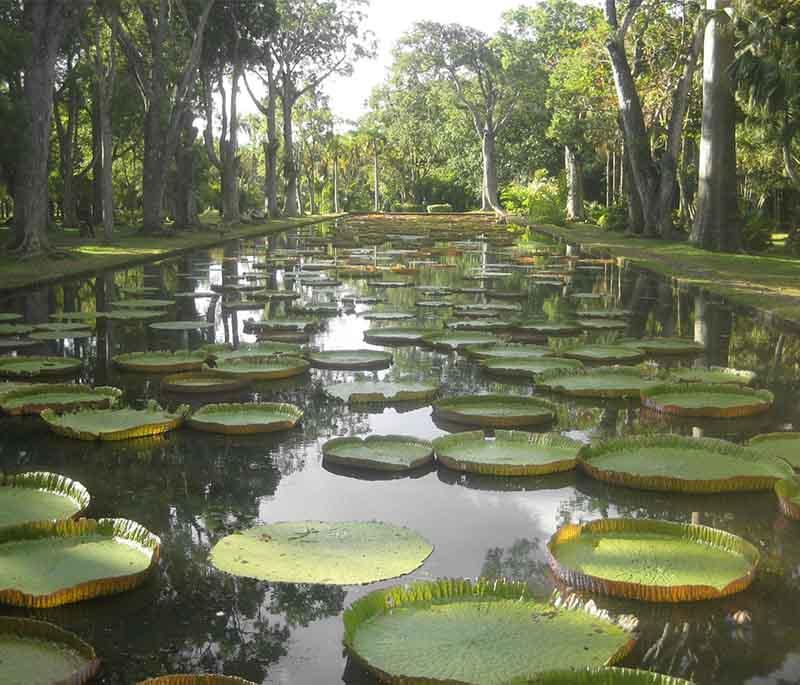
185	206
229	150
574	169
376	189
335	179
635	213
291	206
490	201
153	172
107	168
97	158
717	225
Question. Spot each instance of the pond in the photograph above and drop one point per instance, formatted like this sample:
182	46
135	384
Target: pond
193	488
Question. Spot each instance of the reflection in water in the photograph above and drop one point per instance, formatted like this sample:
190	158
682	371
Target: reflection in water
193	488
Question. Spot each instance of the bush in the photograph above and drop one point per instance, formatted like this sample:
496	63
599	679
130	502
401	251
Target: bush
543	200
757	232
613	218
407	207
440	209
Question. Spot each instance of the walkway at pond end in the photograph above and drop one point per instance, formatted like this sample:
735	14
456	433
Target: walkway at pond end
78	256
769	284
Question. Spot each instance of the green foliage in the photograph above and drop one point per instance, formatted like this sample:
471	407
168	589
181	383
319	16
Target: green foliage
407	207
542	200
757	232
439	209
613	218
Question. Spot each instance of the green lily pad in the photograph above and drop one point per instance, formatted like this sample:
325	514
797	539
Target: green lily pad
365	392
38	367
601	676
39	653
142	304
203	382
605	313
487	309
224	352
396	336
548	328
326	553
304	325
143	290
17	343
433	304
134	315
602	381
479	325
389	316
202	679
495	411
788	492
482	633
181	325
390	284
666	346
40	496
9	317
784	445
161	361
509	453
195	294
701	400
455	340
113	424
59	326
268	368
379	452
350	359
58	397
263	417
507	351
602	324
54	563
651	560
610	354
713	375
9	329
527	368
69	334
670	463
8	387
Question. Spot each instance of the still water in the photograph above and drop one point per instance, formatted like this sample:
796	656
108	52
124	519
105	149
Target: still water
193	488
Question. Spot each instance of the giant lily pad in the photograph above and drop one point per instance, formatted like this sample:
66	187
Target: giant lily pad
60	326
38	367
39	653
481	633
68	334
379	452
47	564
395	336
15	329
17	343
547	328
666	346
601	676
113	424
201	679
508	453
224	352
605	313
528	368
268	368
670	463
701	400
132	316
507	351
481	310
456	340
365	392
40	496
610	354
181	325
350	359
161	361
479	325
782	445
602	324
602	381
713	375
788	492
8	387
326	553
433	304
282	326
9	317
58	397
495	411
264	417
142	304
203	382
651	560
389	316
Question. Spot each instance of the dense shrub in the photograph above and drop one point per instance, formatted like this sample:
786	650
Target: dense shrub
543	200
613	218
440	209
757	232
407	207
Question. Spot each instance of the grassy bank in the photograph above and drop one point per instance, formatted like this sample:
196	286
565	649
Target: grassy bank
81	256
771	284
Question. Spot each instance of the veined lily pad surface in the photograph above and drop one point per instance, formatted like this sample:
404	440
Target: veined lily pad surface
602	381
456	340
713	375
113	424
350	359
601	676
263	368
788	492
202	382
66	397
482	633
225	352
181	325
495	411
264	417
507	351
326	553
199	679
783	445
47	564
396	336
666	346
379	452
508	453
38	367
651	560
39	653
528	368
479	325
548	328
161	361
701	400
672	463
40	496
364	392
611	354
10	386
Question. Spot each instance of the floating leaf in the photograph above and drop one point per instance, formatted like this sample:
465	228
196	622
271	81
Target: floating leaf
495	411
224	352
527	368
38	367
395	336
507	351
264	417
350	359
40	496
113	424
263	368
58	397
602	381
161	361
181	325
455	340
203	382
379	452
713	375
383	392
784	445
142	304
666	346
610	354
711	401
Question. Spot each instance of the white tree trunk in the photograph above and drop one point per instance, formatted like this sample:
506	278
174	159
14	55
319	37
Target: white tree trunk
574	169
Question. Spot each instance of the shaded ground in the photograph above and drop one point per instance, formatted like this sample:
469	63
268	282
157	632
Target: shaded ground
87	256
771	284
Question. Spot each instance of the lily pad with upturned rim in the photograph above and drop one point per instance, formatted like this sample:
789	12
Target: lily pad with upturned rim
608	354
7	387
58	326
69	334
713	375
606	382
527	368
548	328
666	346
489	325
199	679
113	424
224	352
17	343
507	351
495	411
509	453
784	445
9	317
485	632
395	453
320	552
788	492
389	316
350	359
181	325
268	368
133	315
161	361
40	496
387	392
48	564
142	304
282	325
58	397
249	418
710	401
38	367
12	329
671	463
202	382
39	653
454	340
601	676
602	324
651	560
396	335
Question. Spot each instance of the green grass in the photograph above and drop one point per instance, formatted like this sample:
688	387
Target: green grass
77	256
